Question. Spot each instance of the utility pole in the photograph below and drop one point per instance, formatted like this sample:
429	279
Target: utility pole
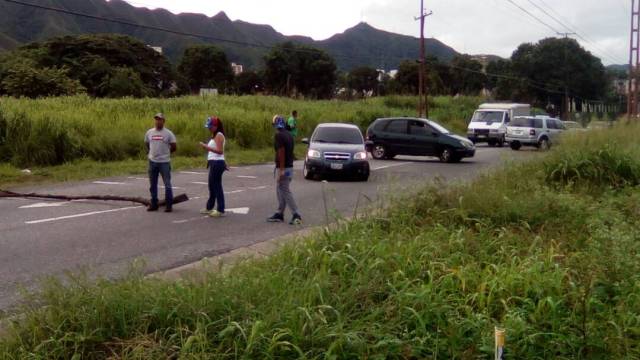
566	109
423	107
634	61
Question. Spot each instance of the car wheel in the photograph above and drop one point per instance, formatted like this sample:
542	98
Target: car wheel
501	143
379	152
309	175
544	144
447	156
515	145
492	143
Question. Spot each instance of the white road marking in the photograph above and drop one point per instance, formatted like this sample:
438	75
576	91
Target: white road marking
192	173
239	211
200	183
44	205
138	178
234	192
109	183
258	188
246	177
173	187
189	220
33	222
390	166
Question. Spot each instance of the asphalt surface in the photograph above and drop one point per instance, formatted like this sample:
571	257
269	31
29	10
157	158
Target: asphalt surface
41	238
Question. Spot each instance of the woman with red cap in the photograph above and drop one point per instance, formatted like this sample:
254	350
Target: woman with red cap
217	166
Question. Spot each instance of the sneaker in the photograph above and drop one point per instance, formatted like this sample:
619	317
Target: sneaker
205	212
277	217
296	220
152	208
216	214
168	210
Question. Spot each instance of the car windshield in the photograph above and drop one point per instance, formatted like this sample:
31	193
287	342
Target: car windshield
526	123
337	135
438	128
488	116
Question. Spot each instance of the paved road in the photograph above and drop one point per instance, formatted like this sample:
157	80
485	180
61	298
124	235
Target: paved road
39	238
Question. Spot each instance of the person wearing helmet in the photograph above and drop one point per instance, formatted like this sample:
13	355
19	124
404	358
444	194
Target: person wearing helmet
284	145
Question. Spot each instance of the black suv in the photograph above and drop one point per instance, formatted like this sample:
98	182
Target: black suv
387	138
336	149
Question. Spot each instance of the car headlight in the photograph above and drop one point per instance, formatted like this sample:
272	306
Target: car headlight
360	156
314	154
467	144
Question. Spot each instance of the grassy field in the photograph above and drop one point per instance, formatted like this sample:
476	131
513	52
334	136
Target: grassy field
547	250
77	138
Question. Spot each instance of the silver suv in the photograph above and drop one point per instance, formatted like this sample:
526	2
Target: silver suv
538	131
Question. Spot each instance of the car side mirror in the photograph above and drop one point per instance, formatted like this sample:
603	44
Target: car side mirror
305	141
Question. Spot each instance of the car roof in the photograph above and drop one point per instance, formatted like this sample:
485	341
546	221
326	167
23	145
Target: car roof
403	118
338	125
537	117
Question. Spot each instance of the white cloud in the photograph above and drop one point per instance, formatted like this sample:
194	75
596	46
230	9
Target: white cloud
470	26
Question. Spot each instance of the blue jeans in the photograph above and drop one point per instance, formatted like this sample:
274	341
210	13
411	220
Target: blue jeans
163	169
216	193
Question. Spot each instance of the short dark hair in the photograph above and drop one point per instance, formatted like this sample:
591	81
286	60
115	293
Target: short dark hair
294	112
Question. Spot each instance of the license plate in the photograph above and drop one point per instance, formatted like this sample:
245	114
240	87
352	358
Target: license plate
337	166
518	132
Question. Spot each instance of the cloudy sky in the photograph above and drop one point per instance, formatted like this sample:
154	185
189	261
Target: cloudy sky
469	26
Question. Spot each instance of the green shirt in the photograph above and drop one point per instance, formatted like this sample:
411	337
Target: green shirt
293	126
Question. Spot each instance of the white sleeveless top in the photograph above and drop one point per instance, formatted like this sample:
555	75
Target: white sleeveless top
212	144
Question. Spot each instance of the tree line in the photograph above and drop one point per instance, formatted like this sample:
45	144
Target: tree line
116	65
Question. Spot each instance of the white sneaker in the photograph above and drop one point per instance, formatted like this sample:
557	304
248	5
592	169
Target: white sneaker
216	214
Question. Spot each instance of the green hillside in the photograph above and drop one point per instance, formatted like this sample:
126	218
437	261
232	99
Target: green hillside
361	45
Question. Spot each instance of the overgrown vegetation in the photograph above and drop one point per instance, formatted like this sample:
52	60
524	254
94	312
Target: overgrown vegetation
57	130
552	259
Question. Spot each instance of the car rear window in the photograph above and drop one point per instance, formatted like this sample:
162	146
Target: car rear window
380	124
397	127
338	135
527	123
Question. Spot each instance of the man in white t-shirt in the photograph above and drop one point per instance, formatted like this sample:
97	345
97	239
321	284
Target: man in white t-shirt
161	143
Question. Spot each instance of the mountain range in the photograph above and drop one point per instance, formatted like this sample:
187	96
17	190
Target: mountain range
244	43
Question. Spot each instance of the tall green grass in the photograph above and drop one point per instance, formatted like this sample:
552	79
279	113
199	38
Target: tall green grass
56	130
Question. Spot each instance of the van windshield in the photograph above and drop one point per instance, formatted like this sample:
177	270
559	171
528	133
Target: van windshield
488	116
527	123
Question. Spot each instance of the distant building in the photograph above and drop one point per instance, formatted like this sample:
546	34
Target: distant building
208	92
621	86
237	69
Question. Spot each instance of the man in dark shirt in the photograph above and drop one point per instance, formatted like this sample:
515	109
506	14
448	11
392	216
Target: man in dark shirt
283	144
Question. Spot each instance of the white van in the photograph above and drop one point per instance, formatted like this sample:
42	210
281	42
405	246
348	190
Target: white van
489	122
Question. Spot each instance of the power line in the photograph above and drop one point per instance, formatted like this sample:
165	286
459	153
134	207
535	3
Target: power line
532	83
571	29
533	16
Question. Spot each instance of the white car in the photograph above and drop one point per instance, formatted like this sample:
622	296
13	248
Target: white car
537	131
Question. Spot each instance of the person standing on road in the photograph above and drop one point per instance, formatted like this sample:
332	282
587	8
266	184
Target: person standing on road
292	124
284	144
161	143
216	165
